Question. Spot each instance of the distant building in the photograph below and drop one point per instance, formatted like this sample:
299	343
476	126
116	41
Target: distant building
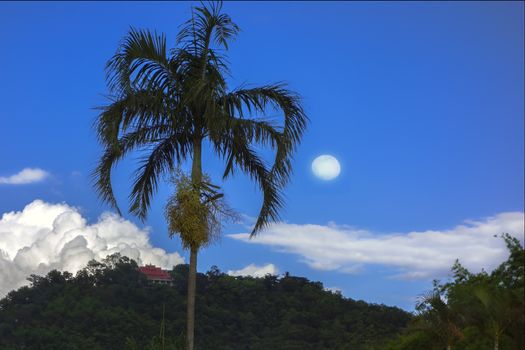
156	275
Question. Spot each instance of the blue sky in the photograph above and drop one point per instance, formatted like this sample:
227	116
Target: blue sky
422	103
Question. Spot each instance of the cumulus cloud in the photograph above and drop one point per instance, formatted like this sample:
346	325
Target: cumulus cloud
46	236
26	176
255	271
411	255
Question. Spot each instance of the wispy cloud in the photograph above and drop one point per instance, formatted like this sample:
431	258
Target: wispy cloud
25	176
411	255
46	236
255	271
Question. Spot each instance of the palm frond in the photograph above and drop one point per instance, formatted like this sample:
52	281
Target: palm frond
114	152
140	60
135	109
276	96
207	24
165	156
240	154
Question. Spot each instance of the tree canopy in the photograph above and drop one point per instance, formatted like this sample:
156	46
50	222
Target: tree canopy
474	310
110	305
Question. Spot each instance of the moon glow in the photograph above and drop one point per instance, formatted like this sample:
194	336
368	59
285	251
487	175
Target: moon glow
326	167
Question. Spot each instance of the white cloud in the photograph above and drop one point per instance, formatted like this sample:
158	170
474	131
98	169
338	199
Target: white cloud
46	236
412	255
255	271
26	176
335	290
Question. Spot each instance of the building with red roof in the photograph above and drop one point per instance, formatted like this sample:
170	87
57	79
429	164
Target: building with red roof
156	275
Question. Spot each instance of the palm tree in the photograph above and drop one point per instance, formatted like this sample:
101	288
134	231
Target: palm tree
438	319
500	309
172	103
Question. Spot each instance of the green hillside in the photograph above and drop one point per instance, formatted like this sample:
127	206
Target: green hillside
110	305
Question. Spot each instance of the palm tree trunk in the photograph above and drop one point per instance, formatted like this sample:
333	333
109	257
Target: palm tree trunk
196	178
449	347
496	342
190	320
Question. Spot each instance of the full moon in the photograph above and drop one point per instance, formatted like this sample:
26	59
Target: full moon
326	167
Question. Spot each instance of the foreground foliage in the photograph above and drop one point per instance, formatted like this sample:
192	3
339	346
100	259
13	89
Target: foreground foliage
110	305
473	311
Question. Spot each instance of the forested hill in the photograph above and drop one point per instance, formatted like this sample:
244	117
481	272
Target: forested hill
109	305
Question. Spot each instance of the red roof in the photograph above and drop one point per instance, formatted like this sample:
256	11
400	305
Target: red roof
153	272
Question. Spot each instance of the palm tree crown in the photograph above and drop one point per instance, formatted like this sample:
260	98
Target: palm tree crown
169	102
